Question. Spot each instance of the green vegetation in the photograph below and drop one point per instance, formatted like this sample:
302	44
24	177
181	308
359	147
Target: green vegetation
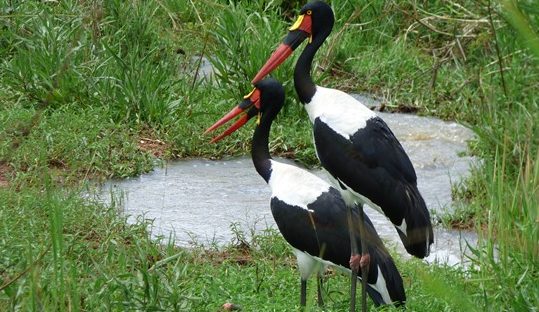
62	253
87	85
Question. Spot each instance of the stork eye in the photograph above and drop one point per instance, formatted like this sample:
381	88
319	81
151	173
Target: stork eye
309	12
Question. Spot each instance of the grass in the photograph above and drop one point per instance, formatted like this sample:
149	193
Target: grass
85	86
74	255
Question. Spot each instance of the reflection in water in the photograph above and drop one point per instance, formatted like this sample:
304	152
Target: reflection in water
200	199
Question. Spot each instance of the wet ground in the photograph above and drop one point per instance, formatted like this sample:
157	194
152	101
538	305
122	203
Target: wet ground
198	200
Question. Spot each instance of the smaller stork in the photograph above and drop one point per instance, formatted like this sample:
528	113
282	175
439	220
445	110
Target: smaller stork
311	214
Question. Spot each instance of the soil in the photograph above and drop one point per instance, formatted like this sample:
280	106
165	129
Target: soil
4	174
148	141
153	146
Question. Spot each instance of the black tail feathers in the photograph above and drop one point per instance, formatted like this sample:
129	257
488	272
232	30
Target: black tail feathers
416	230
384	279
385	282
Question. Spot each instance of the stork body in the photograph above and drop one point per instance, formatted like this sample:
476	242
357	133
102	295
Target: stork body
315	224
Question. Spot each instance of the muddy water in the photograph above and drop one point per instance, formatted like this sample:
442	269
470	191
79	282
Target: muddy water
198	200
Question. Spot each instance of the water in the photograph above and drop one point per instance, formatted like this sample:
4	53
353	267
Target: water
202	67
198	200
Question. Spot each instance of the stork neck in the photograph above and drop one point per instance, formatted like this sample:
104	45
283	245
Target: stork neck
305	87
260	147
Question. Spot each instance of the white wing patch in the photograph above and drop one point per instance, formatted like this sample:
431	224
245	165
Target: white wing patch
295	186
338	110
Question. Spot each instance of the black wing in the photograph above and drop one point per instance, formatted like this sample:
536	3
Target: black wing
373	163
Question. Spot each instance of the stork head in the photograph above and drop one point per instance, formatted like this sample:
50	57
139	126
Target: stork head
315	22
267	97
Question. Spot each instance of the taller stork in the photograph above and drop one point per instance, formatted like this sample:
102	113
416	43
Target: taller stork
353	144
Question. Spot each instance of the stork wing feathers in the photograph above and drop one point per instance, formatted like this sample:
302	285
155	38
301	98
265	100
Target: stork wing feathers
322	231
379	148
371	162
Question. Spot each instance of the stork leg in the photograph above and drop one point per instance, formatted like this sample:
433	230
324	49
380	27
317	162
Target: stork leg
353	257
320	284
303	295
365	259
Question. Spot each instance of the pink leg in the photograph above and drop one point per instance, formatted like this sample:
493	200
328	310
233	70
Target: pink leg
359	261
355	261
364	261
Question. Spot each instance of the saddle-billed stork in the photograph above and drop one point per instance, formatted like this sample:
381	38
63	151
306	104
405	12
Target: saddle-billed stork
310	214
353	144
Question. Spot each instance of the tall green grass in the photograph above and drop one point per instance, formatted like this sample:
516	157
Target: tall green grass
510	256
111	58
